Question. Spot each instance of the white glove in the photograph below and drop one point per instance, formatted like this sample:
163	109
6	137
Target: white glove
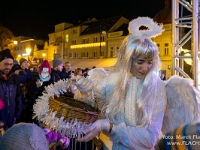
83	84
95	129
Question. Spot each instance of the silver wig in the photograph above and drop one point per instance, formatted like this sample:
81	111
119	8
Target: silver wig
132	48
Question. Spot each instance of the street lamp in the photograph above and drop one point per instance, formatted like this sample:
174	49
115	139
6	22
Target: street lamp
28	51
15	42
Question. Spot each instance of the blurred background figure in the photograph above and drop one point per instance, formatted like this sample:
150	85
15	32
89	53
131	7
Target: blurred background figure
85	72
56	70
162	76
24	136
78	72
67	71
36	87
16	66
25	77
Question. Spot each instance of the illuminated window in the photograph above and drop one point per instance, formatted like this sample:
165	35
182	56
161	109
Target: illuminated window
67	37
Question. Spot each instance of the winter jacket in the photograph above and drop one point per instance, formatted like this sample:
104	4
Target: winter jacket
65	75
55	76
10	93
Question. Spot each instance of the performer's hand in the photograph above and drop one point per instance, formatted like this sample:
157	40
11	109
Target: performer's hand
95	129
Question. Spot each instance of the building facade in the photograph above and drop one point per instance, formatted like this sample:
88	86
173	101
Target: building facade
88	40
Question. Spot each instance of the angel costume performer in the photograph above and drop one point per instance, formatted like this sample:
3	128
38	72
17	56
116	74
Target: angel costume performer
138	106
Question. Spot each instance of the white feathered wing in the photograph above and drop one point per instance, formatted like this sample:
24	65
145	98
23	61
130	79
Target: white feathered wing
182	103
88	84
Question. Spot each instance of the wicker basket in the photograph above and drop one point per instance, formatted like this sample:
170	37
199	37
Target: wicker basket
71	108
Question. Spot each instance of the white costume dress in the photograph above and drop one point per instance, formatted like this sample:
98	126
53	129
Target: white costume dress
126	135
173	102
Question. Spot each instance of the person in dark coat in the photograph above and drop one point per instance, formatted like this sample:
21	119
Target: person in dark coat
10	90
56	70
67	71
25	77
16	66
36	87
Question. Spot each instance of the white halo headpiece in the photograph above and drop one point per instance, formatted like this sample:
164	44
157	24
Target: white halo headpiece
153	29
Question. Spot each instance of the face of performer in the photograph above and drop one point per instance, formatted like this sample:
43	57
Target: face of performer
141	66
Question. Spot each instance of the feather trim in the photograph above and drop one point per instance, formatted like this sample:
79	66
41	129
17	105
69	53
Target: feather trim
43	113
153	30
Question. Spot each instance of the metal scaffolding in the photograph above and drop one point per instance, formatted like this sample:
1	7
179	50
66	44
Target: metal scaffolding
180	21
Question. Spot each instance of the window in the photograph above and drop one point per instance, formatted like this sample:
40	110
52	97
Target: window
158	46
75	55
95	54
85	54
117	49
70	54
102	53
85	40
56	51
74	42
102	38
111	52
67	37
74	31
96	39
166	49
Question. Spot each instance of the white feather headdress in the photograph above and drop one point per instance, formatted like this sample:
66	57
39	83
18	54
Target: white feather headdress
153	29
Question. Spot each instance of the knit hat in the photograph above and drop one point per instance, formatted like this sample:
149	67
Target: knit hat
45	67
5	54
57	62
24	136
22	60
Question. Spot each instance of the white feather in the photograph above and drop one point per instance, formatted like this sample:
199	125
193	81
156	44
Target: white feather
153	30
182	103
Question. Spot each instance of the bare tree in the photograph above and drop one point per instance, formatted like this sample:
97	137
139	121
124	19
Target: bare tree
6	38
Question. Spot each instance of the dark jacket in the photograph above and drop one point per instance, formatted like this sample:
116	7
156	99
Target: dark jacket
65	75
33	91
10	93
55	76
25	75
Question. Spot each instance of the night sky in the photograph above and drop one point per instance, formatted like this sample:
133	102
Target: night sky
37	18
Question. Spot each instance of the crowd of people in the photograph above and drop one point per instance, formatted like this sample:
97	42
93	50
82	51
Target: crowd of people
21	86
136	109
